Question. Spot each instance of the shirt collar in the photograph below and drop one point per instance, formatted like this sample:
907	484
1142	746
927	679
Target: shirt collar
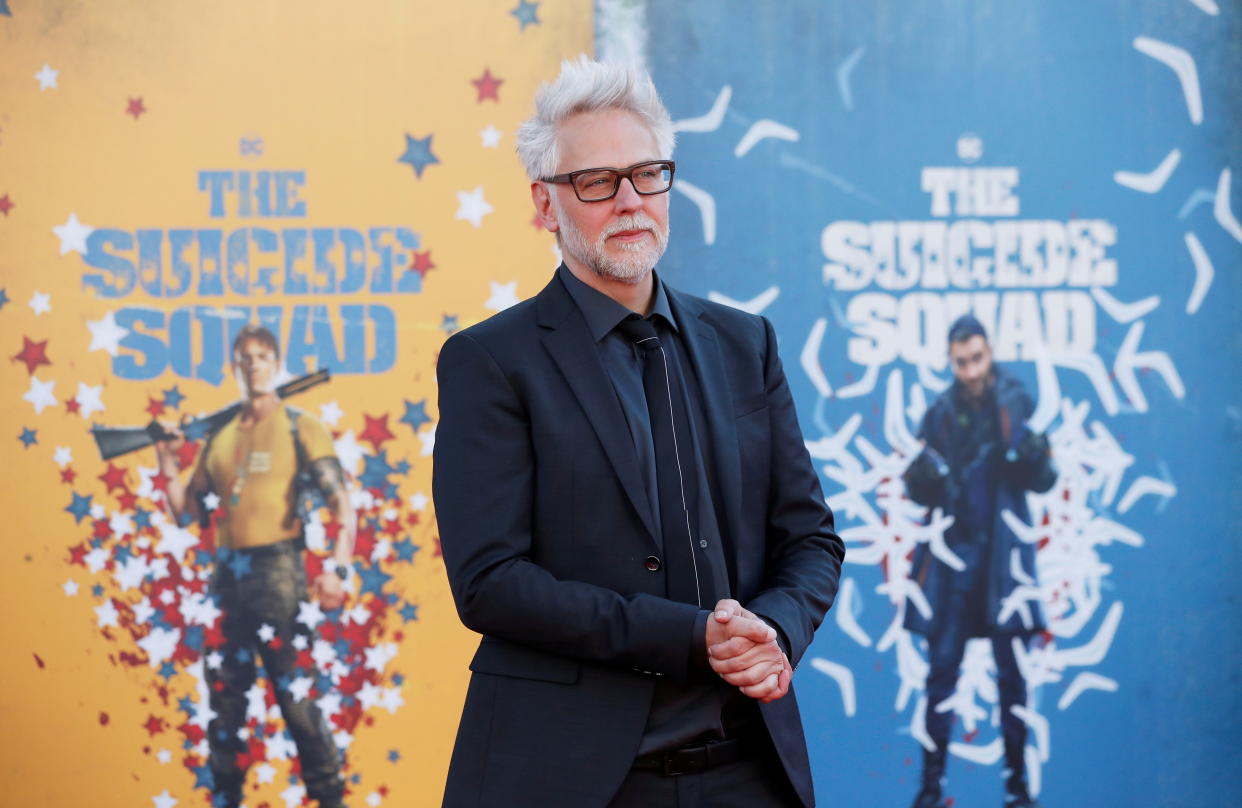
602	313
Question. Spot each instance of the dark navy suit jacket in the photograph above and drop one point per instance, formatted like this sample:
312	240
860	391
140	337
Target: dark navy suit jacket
547	538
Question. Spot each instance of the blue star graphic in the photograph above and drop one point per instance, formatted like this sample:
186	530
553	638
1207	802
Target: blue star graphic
239	564
194	638
398	680
186	705
80	507
403	468
122	554
373	579
97	590
409	612
341	647
28	437
142	517
220	800
526	14
449	324
195	430
282	682
375	470
405	550
415	414
4	296
242	655
203	778
168	670
418	154
390	492
393	755
173	397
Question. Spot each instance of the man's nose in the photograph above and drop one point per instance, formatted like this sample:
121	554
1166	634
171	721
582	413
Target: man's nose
627	198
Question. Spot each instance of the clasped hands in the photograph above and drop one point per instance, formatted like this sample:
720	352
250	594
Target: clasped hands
742	650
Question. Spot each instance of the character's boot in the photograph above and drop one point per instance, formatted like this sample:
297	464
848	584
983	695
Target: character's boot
1016	795
931	792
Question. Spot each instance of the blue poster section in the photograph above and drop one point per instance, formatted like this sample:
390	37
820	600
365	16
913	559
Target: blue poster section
863	172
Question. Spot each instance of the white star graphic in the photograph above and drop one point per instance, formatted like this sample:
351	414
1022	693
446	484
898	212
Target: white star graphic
89	399
97	511
160	644
314	535
309	614
174	541
428	438
266	633
122	524
40	394
215	660
472	207
293	795
265	773
211	501
330	413
503	296
349	451
299	642
256	702
47	77
106	334
70	587
63	456
40	303
106	614
163	756
418	500
73	235
370	695
491	137
300	688
143	611
164	800
374	799
96	559
392	700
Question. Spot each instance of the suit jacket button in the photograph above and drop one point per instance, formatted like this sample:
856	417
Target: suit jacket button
652	563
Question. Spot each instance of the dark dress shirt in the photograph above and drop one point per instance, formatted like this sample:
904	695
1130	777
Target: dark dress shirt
706	707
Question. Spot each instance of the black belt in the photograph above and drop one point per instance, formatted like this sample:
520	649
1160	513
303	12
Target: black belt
697	758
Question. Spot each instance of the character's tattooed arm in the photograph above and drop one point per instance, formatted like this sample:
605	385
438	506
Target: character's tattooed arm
331	481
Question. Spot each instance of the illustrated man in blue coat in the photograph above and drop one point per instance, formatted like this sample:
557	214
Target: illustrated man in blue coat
979	460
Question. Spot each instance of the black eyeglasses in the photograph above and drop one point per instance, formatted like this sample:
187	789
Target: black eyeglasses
598	184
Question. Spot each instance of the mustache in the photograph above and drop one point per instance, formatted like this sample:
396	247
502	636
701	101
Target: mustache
635	221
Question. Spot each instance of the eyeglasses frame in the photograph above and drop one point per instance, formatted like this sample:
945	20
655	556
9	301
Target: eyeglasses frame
621	173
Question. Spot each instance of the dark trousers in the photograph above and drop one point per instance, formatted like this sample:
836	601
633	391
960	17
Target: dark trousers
756	780
267	592
945	650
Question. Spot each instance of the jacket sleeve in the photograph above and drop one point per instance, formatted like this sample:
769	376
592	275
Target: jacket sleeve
927	475
1028	458
483	482
803	552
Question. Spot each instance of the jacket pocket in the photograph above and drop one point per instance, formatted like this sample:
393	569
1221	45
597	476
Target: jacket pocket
502	658
747	404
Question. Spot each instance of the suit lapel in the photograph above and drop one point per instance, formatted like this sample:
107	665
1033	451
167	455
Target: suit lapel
569	342
707	360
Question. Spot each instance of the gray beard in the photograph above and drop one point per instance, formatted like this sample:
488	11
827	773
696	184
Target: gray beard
632	268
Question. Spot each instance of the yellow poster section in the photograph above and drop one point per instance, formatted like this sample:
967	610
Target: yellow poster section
109	115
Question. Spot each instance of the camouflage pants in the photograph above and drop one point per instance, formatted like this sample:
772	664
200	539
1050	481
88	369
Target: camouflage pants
258	591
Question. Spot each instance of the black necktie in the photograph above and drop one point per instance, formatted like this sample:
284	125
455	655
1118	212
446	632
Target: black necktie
689	579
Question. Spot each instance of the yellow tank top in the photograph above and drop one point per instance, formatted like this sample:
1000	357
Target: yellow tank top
252	470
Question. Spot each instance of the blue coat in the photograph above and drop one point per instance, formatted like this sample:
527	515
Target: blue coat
1020	462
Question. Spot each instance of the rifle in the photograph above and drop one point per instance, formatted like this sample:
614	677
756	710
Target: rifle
116	441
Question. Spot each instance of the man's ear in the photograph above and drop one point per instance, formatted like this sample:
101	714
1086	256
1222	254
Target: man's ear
545	211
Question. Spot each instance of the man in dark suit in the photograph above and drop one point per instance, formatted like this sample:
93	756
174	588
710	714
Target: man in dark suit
627	511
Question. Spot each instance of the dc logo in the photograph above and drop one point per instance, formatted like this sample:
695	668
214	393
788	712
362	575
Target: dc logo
969	147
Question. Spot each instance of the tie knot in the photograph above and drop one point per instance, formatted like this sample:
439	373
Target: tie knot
639	331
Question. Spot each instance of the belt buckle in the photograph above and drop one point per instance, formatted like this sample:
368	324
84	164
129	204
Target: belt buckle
695	759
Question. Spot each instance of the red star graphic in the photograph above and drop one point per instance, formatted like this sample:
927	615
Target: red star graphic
135	108
33	354
364	542
102	529
186	455
114	477
127	500
77	554
412	519
160	482
68	476
377	431
155	407
6	204
71	405
154	726
422	263
488	86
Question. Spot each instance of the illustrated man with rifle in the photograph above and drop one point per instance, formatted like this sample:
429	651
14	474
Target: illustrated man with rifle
259	466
